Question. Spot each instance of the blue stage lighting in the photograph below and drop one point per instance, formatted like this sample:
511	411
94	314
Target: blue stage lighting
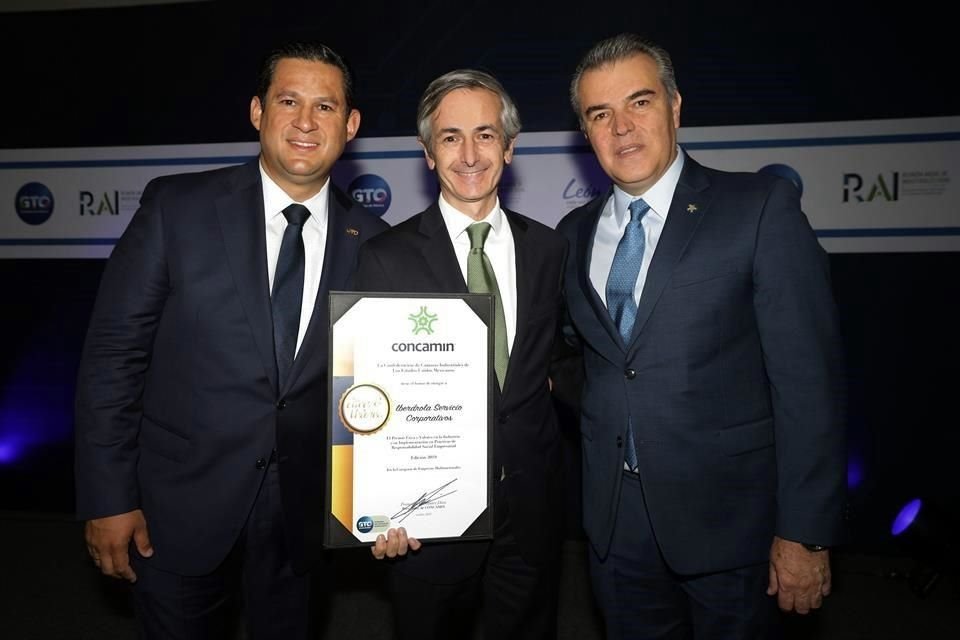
854	472
9	451
906	516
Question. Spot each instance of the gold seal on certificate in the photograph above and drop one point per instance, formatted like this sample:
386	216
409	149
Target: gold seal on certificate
410	417
364	408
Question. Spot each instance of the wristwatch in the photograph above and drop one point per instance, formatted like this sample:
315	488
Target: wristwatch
814	548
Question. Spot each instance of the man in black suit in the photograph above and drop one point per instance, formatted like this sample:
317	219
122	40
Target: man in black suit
200	445
467	125
712	423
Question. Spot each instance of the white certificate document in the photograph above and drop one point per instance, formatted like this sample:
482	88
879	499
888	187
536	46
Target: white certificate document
409	417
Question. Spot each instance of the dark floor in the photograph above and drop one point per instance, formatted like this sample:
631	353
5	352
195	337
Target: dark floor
49	590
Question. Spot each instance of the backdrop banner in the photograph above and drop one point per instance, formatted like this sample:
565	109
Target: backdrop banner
867	186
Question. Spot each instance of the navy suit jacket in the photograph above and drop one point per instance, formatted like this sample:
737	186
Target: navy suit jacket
732	377
177	396
417	256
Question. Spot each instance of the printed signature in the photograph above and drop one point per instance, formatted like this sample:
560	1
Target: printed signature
425	498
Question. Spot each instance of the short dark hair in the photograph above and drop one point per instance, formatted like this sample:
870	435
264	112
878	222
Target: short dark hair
622	47
313	51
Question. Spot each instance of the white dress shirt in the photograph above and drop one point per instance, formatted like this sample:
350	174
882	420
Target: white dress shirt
275	200
613	221
499	249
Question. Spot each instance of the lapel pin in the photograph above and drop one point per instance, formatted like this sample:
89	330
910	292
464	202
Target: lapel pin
691	208
353	232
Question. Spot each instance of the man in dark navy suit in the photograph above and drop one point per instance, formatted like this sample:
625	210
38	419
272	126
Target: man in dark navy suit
712	410
467	125
200	442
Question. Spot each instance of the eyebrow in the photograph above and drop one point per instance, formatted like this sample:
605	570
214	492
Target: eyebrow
292	93
630	98
477	129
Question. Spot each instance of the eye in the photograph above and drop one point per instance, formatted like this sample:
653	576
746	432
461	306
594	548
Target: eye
326	107
287	102
600	115
450	139
641	102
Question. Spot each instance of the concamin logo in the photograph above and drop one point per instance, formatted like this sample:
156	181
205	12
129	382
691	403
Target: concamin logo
34	203
423	321
786	172
372	192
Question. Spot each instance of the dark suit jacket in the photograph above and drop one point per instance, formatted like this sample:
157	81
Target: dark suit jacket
732	377
417	256
177	396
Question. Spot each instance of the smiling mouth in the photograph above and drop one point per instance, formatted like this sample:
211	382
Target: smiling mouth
306	146
470	174
633	148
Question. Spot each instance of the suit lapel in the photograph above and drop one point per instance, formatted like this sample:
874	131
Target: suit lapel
339	257
584	251
690	203
442	263
524	260
437	251
242	224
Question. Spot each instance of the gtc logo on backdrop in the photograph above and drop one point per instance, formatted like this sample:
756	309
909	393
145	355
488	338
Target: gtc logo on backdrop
884	187
34	203
372	192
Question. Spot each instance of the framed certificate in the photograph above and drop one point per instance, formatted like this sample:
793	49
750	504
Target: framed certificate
410	417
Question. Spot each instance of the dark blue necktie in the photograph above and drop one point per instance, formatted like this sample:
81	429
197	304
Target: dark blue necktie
287	296
620	285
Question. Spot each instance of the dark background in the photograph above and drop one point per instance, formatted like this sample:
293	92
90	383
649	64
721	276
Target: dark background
184	74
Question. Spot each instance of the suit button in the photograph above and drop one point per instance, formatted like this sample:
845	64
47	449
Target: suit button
630	374
261	463
619	442
281	405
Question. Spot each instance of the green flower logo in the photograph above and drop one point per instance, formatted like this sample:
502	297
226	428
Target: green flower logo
423	321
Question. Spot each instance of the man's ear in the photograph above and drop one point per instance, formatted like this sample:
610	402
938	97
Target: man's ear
256	112
426	154
353	124
508	152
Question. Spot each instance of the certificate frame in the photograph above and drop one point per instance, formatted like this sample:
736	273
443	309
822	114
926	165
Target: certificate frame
349	467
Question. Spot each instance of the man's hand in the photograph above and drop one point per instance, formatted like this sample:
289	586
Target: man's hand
108	541
396	543
799	578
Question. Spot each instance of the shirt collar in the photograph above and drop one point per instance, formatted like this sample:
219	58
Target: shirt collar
457	221
275	200
659	196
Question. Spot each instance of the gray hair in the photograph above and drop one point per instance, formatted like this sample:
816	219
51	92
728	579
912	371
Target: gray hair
622	47
465	79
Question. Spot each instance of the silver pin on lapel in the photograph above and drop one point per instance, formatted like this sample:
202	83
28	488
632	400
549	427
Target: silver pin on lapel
691	208
353	232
